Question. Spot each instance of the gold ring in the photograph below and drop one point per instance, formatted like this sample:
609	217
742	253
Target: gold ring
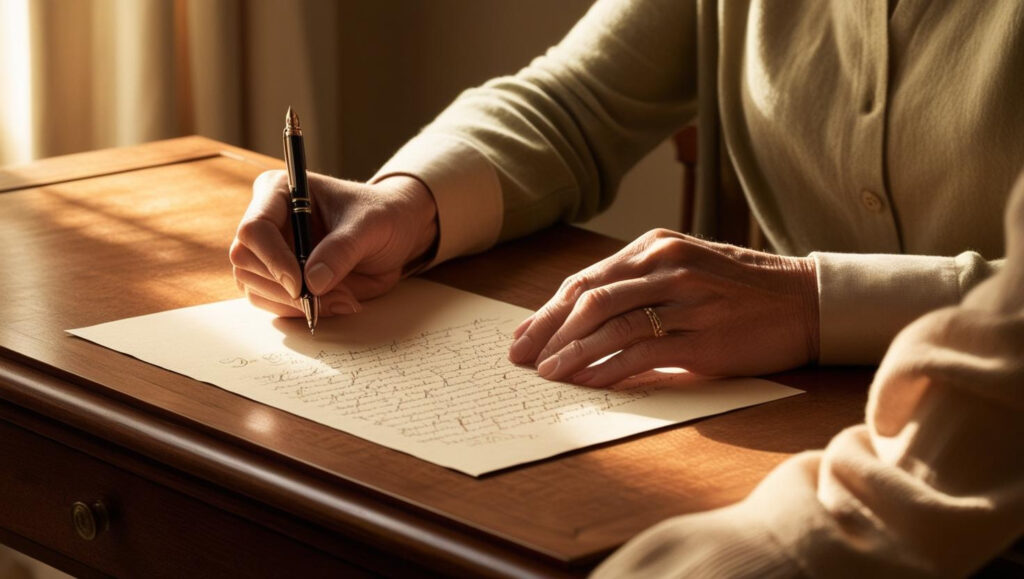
655	322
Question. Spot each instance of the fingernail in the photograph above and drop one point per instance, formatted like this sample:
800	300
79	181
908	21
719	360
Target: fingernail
289	285
319	277
548	367
520	348
583	377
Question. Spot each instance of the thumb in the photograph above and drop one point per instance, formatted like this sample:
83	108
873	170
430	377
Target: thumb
331	261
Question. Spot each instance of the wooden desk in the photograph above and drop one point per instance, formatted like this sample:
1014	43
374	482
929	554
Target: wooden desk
198	481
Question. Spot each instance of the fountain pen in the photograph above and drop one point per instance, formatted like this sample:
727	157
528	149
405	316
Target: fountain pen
301	206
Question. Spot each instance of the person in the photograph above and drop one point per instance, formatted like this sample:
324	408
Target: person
844	123
876	143
930	485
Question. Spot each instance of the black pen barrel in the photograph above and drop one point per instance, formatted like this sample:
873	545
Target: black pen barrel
301	203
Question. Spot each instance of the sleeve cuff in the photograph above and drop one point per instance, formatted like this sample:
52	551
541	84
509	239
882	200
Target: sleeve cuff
866	299
465	187
731	541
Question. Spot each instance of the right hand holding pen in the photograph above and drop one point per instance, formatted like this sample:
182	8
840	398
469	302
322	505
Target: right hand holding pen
365	235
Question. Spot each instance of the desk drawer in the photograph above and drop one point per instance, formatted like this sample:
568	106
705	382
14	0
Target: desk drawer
153	530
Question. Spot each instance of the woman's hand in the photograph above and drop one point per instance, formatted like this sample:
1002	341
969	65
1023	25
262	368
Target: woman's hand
366	234
724	310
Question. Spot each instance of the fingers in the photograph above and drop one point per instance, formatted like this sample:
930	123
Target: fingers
269	199
618	333
265	241
598	305
331	260
277	302
244	259
272	306
534	333
522	327
259	245
267	288
640	357
549	318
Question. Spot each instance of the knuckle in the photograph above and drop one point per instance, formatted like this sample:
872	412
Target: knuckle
680	276
641	244
655	236
673	249
652	235
661	251
662	233
271	179
237	253
574	286
254	231
247	231
575	349
594	300
543	322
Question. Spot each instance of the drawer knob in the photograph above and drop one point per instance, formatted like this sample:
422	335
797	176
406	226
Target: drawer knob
89	520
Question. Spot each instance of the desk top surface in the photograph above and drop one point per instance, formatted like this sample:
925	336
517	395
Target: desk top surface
101	236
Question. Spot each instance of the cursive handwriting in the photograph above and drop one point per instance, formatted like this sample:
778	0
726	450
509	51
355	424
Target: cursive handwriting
453	386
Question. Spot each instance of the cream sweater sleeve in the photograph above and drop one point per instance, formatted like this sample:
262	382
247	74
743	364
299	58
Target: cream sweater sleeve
931	485
552	142
864	300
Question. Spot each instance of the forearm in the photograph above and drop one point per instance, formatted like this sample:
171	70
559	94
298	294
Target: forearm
560	134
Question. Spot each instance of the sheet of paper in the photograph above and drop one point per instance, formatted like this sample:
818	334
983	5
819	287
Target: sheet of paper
423	370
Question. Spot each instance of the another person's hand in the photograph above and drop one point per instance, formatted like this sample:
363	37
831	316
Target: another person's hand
366	234
724	310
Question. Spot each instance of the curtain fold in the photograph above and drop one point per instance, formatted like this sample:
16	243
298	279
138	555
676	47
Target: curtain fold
89	74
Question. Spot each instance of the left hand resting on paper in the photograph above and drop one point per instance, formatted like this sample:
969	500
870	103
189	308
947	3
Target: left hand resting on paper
725	310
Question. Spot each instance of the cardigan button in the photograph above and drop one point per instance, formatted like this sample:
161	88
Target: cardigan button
871	202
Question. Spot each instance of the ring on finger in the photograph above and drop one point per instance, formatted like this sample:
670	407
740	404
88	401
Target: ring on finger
659	330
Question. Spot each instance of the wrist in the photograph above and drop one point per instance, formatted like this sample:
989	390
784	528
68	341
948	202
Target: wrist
807	280
418	212
800	282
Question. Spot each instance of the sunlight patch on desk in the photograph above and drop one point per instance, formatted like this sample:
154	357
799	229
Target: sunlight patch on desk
261	420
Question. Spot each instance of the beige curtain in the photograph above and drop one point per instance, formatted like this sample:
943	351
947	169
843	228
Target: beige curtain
87	74
77	75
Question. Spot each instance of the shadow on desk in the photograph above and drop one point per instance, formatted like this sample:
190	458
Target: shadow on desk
774	428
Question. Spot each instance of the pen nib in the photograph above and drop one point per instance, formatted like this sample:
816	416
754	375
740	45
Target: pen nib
310	307
291	121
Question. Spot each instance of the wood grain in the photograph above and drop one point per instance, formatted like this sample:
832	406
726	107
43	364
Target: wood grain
140	238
